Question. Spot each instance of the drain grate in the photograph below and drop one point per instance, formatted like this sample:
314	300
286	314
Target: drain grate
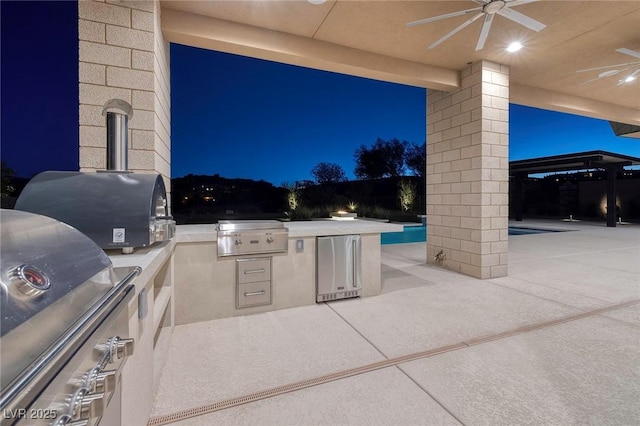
292	387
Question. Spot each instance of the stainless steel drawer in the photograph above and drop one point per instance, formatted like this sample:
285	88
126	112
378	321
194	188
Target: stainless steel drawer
254	270
253	294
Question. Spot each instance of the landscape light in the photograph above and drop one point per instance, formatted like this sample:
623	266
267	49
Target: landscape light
514	47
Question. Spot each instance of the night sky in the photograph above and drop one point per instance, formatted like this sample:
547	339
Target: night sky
39	93
237	116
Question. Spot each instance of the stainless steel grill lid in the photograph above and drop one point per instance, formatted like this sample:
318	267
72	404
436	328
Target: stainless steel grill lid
244	237
50	276
116	210
42	260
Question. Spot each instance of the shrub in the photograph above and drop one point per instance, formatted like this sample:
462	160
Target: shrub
406	195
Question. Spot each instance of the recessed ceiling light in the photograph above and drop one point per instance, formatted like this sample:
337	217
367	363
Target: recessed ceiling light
629	79
514	47
317	1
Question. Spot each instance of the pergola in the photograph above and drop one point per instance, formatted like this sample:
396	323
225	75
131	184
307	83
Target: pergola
609	161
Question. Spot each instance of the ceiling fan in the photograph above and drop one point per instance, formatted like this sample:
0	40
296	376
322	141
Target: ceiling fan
618	68
487	9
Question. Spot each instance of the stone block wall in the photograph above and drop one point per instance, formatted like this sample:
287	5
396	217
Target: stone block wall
468	172
122	54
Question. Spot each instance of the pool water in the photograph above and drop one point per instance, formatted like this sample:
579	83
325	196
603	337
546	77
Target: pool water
411	234
418	234
516	230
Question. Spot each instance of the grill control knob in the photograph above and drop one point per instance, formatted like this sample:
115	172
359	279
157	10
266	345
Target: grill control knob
78	423
269	240
90	406
62	420
120	348
238	242
106	381
85	405
97	380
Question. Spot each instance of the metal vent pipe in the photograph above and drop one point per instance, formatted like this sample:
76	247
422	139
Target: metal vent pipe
117	114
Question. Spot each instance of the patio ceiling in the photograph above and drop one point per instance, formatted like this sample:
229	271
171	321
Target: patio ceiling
370	39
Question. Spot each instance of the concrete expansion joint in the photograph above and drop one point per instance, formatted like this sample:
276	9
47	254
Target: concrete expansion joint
390	362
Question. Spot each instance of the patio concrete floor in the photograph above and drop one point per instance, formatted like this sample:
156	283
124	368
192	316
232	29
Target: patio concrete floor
557	342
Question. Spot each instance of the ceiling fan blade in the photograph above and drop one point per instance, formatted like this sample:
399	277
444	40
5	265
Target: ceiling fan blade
629	52
590	81
519	2
456	29
609	66
484	33
440	17
521	19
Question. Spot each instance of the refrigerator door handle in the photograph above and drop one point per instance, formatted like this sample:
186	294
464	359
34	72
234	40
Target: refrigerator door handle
354	257
357	262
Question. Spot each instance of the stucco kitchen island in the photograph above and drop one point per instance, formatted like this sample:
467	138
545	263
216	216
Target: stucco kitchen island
205	286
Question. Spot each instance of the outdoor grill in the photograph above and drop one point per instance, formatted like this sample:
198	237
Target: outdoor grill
116	208
64	329
248	237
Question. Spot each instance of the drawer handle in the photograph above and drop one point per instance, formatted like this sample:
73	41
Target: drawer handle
255	293
254	271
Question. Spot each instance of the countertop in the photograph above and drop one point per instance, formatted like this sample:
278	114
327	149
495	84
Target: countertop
297	229
149	259
317	228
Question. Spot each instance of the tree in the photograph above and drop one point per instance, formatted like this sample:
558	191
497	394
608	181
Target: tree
328	173
394	153
415	158
369	163
7	179
384	158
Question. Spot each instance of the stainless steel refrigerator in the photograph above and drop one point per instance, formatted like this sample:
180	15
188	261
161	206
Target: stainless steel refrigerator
339	267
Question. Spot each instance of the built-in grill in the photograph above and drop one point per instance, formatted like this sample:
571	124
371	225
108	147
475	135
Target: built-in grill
116	208
249	237
64	329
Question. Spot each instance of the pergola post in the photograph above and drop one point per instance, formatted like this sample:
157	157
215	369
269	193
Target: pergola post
612	210
518	195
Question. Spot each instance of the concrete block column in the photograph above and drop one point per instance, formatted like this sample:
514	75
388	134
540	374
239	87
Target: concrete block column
468	172
123	55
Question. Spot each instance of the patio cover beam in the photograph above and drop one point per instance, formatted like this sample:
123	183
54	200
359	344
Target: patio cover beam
225	36
569	162
557	101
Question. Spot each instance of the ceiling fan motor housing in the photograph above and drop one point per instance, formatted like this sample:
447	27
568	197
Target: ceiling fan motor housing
493	7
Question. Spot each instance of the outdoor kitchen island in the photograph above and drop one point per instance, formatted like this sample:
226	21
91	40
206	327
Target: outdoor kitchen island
205	283
184	280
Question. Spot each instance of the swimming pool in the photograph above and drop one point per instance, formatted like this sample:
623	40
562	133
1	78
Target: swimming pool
417	234
516	230
411	234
